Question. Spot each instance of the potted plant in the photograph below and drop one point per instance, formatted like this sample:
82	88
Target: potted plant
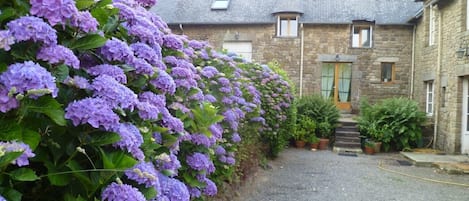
324	129
304	129
369	147
376	133
313	141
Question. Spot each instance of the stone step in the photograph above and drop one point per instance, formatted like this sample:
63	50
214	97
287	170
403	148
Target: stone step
347	123
347	144
347	128
347	134
347	139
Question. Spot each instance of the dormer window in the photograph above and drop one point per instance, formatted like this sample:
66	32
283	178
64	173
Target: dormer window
287	26
220	4
362	36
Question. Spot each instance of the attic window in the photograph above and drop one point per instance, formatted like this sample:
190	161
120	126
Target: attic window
287	26
220	4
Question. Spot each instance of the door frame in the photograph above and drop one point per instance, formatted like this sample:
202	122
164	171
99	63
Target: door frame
465	113
340	105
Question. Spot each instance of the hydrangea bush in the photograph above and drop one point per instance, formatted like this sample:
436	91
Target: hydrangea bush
99	100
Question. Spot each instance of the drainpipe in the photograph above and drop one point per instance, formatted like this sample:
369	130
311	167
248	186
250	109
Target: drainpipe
182	29
438	80
412	72
301	58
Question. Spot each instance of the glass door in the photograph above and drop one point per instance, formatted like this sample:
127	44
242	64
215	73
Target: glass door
336	82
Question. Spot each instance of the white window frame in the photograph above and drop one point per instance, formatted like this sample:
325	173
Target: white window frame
290	28
360	45
244	53
220	4
429	102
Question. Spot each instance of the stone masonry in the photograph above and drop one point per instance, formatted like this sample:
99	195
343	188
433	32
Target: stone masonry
322	42
439	64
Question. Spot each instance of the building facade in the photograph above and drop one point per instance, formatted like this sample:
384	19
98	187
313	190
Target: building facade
441	78
345	50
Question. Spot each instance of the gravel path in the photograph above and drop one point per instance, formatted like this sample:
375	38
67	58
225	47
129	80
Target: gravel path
303	175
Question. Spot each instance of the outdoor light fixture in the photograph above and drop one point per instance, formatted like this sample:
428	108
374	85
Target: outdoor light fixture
463	50
337	58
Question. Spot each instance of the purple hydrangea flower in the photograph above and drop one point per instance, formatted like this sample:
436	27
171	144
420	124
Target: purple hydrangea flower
142	67
57	53
216	130
230	160
116	94
6	102
94	111
121	192
146	3
226	90
164	82
195	192
110	70
2	198
199	96
29	76
171	122
179	106
144	173
78	82
156	100
22	160
186	83
209	71
201	139
6	39
85	22
32	28
116	50
235	138
210	189
224	81
173	189
198	161
220	150
56	12
168	162
172	41
147	111
131	139
146	35
143	51
125	11
197	45
210	98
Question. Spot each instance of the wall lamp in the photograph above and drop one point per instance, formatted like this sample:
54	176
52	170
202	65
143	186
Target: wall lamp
463	50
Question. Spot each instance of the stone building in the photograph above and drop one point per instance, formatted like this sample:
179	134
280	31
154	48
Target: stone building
441	78
345	50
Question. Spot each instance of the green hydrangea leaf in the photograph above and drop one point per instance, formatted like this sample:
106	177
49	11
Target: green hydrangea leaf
88	42
24	174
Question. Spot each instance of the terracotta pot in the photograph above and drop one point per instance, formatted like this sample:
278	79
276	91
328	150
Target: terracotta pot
315	145
369	150
323	144
300	143
378	147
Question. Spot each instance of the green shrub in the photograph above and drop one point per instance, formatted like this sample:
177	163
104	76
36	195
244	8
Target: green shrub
320	110
396	122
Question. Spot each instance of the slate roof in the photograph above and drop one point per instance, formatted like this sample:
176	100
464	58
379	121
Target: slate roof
394	12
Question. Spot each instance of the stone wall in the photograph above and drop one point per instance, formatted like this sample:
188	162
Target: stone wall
321	44
439	63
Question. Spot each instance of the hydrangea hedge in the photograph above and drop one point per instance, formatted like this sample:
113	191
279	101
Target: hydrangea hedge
100	101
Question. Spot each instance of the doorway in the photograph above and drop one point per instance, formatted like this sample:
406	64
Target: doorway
336	83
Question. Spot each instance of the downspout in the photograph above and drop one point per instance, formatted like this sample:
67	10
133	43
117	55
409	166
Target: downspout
437	84
412	72
301	58
182	29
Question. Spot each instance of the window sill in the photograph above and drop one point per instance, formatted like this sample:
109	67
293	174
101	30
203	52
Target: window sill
287	37
388	83
366	48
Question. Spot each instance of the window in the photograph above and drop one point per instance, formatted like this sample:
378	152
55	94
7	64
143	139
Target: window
387	72
429	99
220	4
432	25
287	26
361	36
243	49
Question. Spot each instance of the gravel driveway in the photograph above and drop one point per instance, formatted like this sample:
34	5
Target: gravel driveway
303	175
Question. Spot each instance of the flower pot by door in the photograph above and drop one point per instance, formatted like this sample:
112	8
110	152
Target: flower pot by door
369	150
315	145
323	144
300	144
378	147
